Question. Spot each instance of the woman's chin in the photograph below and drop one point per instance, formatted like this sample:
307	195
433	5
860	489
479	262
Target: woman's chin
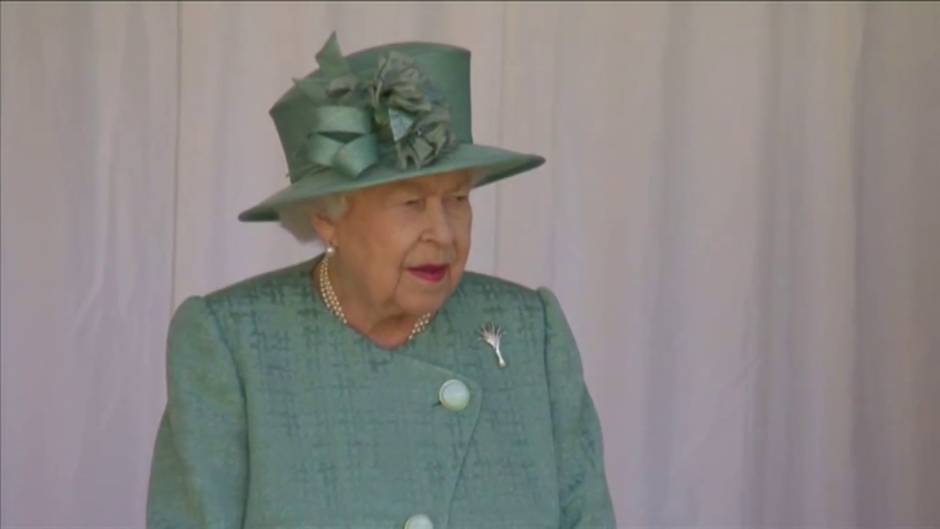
420	303
424	296
418	309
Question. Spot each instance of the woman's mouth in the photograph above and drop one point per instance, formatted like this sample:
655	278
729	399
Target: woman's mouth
430	273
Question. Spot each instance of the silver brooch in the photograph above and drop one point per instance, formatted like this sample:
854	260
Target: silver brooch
491	334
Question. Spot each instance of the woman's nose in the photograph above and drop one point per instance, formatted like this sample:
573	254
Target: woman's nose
440	229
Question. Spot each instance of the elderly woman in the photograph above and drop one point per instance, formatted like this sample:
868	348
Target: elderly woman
378	385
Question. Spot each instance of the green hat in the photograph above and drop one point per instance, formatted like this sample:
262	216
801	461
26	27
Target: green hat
380	115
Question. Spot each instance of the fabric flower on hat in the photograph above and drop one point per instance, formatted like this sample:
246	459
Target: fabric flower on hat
404	108
427	138
408	109
399	85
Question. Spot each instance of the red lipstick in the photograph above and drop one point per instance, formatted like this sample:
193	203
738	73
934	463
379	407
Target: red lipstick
430	273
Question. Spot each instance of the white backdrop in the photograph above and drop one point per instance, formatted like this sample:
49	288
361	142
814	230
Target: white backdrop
739	213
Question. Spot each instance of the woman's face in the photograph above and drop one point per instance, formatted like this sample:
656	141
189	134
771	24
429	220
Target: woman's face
403	246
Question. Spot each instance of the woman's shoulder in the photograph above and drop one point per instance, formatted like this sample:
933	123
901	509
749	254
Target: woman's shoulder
278	286
479	285
291	284
488	289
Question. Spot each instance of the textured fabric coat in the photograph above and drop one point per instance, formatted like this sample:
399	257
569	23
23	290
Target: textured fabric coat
280	416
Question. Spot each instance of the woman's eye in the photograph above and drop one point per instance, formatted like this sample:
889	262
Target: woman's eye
414	202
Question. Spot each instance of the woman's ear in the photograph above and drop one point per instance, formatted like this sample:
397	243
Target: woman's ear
325	228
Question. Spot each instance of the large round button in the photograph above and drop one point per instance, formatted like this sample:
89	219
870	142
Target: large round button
454	395
419	521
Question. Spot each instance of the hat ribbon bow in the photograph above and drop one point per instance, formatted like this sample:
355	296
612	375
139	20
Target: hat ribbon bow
398	102
342	138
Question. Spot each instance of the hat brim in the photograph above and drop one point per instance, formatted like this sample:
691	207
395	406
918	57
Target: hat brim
492	163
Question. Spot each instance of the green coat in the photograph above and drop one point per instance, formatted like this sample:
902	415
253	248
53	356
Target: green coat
279	416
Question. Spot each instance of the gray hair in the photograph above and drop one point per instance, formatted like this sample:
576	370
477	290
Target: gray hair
298	218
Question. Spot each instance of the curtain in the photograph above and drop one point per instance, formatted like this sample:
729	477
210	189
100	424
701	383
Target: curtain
738	213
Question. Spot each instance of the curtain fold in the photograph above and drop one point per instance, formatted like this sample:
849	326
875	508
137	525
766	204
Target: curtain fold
89	113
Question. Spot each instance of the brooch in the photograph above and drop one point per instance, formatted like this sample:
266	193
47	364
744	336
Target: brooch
491	334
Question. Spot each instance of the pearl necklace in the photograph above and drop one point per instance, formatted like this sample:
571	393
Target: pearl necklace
332	302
